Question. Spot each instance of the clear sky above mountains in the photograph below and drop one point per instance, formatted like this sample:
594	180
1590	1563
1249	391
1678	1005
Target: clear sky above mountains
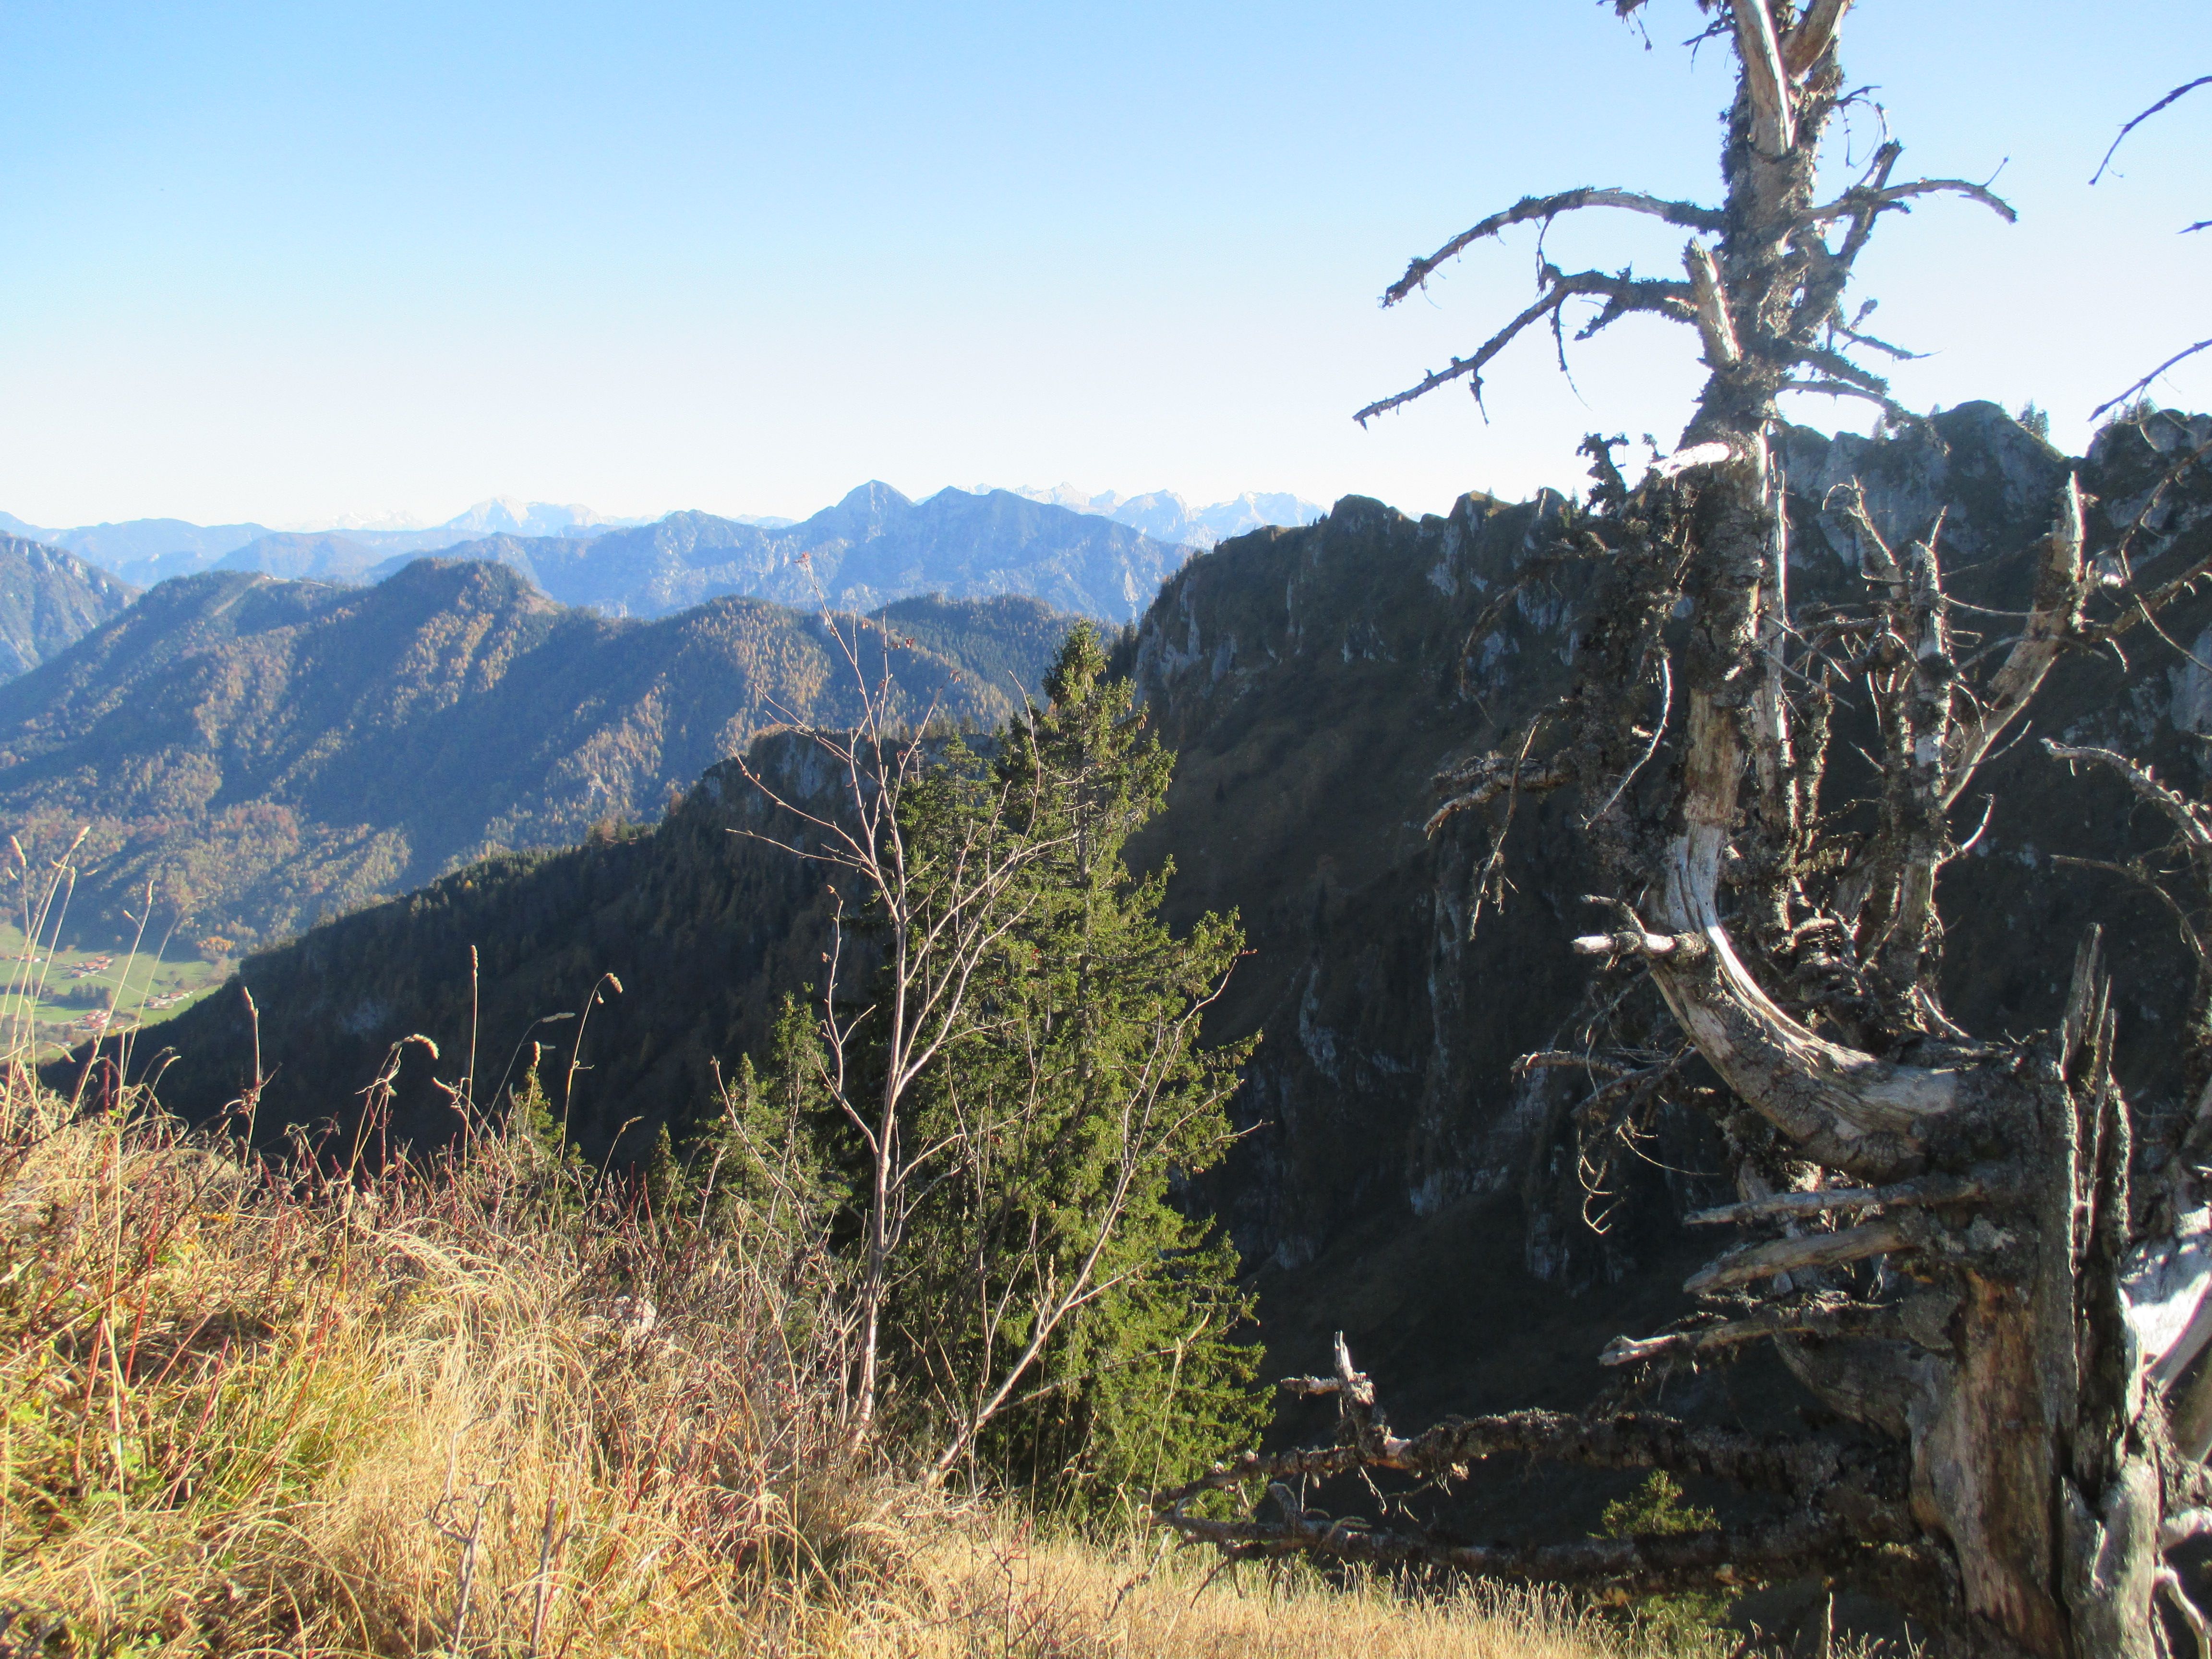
289	263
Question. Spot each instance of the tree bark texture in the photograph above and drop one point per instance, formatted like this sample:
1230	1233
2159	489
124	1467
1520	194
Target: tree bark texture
1946	1246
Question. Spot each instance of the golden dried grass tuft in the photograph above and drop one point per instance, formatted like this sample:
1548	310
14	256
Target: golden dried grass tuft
458	1405
479	1404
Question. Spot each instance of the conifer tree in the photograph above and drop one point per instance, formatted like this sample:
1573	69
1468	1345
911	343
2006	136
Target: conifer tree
1061	1312
1029	1298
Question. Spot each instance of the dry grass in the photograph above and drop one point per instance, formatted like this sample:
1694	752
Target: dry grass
977	1591
427	1412
458	1406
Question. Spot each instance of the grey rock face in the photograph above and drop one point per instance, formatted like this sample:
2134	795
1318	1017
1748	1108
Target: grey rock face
49	601
1314	681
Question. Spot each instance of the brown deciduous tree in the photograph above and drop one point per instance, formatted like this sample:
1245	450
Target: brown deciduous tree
2027	1430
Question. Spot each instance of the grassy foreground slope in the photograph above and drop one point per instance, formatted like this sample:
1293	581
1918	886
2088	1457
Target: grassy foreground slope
267	753
482	1405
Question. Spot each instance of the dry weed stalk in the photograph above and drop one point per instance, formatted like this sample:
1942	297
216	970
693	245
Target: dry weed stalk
483	1404
466	1404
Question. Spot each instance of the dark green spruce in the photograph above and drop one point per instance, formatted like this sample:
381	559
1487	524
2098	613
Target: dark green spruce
1058	1128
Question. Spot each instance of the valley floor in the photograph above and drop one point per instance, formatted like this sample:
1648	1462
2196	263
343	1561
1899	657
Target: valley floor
58	996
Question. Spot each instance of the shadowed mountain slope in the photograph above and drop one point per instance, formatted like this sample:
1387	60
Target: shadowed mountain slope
50	599
703	928
1398	1179
269	752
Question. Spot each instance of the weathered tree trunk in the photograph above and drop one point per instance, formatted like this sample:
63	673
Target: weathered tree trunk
2026	1367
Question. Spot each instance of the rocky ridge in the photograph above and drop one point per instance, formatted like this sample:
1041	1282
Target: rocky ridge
1399	1179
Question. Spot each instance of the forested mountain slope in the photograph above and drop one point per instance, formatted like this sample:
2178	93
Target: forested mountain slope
1401	1180
50	599
703	928
269	753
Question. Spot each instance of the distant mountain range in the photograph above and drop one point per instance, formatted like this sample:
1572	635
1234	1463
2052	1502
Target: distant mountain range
1314	684
50	599
143	551
268	753
1165	516
875	546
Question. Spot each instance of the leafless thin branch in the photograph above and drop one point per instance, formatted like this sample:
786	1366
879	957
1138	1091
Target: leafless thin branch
1623	293
2173	97
2146	382
1543	210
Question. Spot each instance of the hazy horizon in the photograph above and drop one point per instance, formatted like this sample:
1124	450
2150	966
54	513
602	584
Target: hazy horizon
403	522
292	266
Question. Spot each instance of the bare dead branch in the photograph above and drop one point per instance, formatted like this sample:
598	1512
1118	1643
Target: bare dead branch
1889	406
1774	116
1757	1261
1844	1495
1658	733
2173	97
2061	588
1544	210
1685	946
1715	452
1637	1440
1829	1320
1635	1085
1872	342
1888	198
1835	365
1844	1200
2192	821
1709	307
2169	1584
1628	294
2144	384
1500	777
1814	34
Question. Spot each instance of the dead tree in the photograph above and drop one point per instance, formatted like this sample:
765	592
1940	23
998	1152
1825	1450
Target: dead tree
2011	1368
2183	356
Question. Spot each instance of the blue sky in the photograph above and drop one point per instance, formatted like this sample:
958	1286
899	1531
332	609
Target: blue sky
288	262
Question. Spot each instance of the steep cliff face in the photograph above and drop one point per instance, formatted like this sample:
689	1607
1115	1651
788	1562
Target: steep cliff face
1306	680
1399	1179
49	601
